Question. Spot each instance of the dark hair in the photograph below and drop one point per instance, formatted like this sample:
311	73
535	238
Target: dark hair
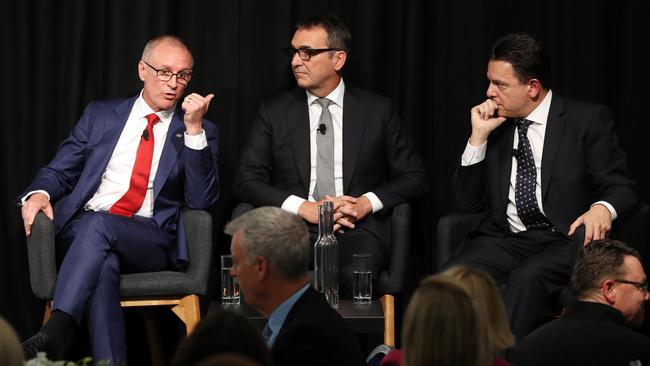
223	332
338	35
599	260
526	56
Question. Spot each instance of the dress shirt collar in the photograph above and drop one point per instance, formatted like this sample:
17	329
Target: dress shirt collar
335	96
540	114
141	109
279	315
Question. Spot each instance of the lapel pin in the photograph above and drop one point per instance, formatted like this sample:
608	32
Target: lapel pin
179	135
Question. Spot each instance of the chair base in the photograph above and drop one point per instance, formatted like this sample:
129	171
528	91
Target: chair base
186	308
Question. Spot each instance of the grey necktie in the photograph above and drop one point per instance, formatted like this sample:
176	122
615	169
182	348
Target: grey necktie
325	155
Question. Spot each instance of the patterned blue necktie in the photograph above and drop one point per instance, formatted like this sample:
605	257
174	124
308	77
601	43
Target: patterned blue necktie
525	185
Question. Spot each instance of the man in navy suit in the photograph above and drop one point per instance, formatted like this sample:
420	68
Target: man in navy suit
270	254
550	173
115	189
373	166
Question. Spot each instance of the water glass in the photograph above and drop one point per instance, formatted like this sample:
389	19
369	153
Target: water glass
229	284
361	279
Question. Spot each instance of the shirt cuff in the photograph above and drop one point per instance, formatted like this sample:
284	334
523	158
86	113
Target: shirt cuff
22	200
611	208
292	204
196	142
473	154
374	201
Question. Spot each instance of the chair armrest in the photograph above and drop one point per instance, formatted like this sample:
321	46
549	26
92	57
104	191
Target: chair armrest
198	233
391	281
634	230
42	261
451	231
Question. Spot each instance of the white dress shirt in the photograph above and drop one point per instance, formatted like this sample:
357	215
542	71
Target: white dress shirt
292	203
536	134
117	176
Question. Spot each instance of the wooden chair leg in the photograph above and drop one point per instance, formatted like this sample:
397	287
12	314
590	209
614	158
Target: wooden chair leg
153	335
48	311
188	311
388	305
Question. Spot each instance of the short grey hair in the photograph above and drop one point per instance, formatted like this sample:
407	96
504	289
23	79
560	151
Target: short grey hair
168	38
279	236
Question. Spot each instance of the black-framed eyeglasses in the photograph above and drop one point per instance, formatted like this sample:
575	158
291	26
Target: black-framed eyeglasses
306	53
642	286
183	77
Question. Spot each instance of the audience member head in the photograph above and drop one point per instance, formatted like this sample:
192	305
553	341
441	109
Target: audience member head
519	75
442	326
11	352
225	332
609	272
165	69
319	49
488	302
270	254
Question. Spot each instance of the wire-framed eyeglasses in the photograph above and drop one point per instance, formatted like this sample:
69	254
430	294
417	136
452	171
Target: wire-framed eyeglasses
183	77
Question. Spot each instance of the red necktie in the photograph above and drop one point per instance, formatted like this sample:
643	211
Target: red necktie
130	203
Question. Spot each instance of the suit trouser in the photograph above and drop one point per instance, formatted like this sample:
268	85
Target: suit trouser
531	267
356	241
98	247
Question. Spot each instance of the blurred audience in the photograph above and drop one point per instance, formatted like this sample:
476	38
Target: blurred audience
11	352
270	254
611	288
442	327
221	333
489	305
227	359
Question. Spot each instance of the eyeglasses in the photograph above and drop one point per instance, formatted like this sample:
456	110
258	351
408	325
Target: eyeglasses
642	286
306	53
183	77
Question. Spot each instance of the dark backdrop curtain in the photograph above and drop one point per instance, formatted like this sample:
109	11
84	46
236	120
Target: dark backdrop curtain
428	56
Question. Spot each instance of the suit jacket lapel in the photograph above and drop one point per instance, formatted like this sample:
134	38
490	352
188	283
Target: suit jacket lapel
112	128
505	158
354	124
174	143
552	139
297	119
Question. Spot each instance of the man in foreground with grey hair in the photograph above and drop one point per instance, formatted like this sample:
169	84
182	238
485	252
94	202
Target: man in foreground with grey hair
270	254
611	290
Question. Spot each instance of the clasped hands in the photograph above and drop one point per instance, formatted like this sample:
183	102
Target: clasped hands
347	210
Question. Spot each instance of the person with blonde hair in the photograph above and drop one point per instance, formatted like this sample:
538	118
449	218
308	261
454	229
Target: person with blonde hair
489	304
443	327
11	352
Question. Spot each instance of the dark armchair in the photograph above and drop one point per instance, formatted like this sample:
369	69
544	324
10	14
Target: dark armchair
634	230
180	290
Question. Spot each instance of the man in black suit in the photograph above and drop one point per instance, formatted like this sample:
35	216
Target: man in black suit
611	289
548	171
368	168
270	254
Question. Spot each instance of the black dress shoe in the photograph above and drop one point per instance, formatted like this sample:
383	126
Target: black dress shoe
39	342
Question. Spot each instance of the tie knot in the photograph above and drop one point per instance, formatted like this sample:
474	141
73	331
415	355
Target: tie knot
152	119
523	124
324	102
